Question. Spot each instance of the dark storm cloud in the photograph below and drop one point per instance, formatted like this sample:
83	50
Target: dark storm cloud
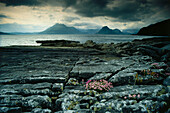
86	25
123	10
21	2
3	16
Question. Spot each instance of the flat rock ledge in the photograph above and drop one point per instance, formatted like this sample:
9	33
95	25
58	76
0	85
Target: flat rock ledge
49	80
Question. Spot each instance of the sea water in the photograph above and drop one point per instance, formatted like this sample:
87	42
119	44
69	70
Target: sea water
30	40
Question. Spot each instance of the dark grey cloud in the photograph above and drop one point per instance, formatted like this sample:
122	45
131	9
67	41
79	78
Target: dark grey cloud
122	10
129	10
86	25
3	16
70	19
21	2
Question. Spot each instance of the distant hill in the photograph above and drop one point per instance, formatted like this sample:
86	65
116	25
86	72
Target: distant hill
106	30
61	29
130	31
2	33
158	29
20	28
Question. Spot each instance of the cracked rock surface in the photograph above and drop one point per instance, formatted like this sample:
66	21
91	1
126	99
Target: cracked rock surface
49	80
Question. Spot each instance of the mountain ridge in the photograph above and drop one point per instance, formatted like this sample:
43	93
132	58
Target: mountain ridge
107	30
3	33
60	29
158	29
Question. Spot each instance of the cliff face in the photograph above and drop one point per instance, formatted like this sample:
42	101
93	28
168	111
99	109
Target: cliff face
158	29
106	30
61	29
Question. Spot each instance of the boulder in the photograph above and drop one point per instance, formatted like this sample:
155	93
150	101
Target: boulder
10	110
59	43
35	101
89	44
166	82
39	110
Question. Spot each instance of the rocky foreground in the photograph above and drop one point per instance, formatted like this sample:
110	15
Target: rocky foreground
49	79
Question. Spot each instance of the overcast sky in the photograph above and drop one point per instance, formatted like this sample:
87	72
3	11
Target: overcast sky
91	14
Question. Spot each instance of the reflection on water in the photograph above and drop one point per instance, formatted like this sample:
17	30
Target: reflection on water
8	40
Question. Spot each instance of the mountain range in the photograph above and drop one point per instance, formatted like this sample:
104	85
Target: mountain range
63	29
15	28
158	29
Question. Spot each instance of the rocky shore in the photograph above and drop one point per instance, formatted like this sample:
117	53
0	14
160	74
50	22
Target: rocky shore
48	79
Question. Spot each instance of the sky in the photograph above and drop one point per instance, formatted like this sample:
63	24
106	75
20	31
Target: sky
38	15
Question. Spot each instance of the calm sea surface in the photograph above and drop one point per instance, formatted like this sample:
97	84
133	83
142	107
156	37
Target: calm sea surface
8	40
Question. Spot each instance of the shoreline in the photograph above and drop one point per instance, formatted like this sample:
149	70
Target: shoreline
31	40
48	79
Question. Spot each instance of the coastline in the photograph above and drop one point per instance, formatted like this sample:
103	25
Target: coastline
48	79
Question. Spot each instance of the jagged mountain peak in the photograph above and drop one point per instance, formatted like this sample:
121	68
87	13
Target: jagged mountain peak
107	30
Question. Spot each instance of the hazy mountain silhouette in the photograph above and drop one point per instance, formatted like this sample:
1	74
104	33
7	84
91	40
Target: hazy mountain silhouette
159	29
61	29
20	28
130	31
2	33
106	30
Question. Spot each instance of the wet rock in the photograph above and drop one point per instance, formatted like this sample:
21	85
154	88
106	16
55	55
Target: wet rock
99	76
59	43
76	111
39	110
88	99
74	101
58	103
84	106
113	106
166	57
43	79
59	112
70	102
28	92
10	110
58	87
27	89
88	70
33	80
89	44
139	107
166	82
158	70
11	100
166	47
126	91
109	48
123	78
34	101
72	81
49	80
152	48
149	52
85	72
